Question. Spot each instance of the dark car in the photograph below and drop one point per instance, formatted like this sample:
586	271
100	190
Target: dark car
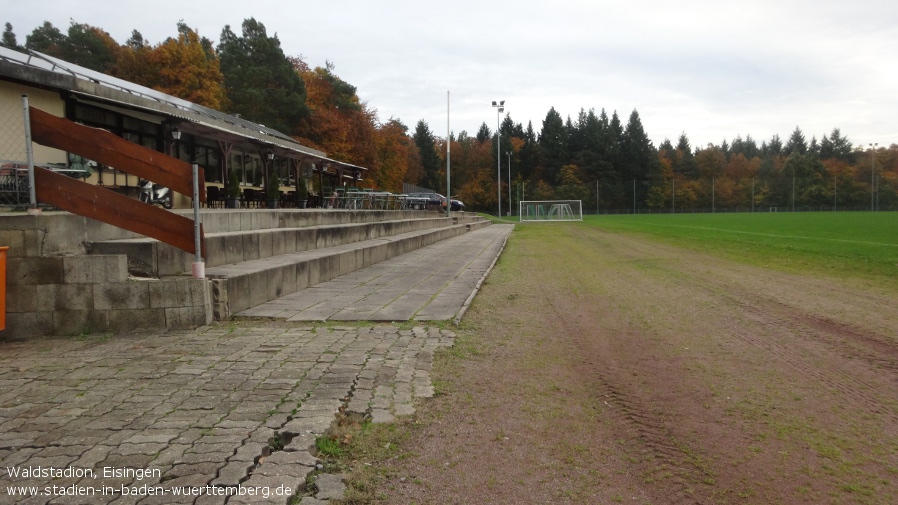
426	200
431	201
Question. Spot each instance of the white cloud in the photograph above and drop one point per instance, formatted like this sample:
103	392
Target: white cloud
713	70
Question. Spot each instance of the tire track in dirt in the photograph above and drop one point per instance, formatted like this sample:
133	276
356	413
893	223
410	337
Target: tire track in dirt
792	335
644	427
632	415
705	382
839	362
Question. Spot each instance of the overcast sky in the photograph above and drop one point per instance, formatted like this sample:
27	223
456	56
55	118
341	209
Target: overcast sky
711	69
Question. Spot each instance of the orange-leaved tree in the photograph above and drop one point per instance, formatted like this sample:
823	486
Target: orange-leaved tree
338	123
185	67
392	143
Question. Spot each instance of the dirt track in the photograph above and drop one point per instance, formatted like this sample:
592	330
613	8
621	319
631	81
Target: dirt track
602	368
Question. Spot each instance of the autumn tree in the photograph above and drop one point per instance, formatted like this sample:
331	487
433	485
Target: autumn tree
659	195
180	67
392	147
339	122
473	171
414	171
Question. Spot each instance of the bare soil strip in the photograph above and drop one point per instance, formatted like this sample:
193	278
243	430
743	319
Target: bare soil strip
605	368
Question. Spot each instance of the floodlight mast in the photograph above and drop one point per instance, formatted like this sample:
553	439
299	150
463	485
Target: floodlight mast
501	106
873	146
508	155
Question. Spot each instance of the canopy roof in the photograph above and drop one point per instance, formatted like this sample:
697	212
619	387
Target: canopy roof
48	72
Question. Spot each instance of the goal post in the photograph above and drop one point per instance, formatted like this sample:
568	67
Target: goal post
550	210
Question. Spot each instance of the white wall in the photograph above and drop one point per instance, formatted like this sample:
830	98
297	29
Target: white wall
12	122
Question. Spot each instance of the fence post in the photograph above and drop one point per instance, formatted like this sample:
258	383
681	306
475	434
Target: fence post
33	209
199	267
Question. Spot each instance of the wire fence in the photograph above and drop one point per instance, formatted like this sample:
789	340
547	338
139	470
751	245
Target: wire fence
758	194
14	188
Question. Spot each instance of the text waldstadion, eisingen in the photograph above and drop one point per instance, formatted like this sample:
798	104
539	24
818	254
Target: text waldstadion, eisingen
108	472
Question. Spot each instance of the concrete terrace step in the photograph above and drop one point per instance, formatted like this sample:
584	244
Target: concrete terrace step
237	287
256	242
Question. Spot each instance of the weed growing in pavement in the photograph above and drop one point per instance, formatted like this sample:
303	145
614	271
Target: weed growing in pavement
358	447
328	448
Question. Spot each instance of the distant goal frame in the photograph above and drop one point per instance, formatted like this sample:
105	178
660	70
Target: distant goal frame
543	211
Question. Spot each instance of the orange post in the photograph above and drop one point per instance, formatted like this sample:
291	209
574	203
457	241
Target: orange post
3	250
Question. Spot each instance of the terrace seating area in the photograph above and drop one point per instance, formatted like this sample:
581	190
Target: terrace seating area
103	278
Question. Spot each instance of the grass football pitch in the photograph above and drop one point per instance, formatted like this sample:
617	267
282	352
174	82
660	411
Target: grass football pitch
839	244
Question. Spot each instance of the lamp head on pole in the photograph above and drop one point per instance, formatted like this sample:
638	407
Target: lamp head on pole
176	133
270	155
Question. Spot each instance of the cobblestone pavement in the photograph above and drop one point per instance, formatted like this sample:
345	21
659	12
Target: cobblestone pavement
222	414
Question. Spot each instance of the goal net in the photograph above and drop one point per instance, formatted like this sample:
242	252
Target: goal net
551	210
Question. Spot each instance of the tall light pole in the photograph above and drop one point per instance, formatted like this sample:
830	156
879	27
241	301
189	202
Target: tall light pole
872	172
501	107
448	159
508	153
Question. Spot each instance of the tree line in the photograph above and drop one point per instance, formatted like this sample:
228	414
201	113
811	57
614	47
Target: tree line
597	158
613	166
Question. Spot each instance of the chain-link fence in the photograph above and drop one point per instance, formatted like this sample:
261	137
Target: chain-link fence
759	194
14	188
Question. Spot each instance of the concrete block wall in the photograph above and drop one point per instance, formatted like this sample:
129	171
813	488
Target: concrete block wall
54	289
56	233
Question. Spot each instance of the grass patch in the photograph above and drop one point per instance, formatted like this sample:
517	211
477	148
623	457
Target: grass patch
837	244
359	448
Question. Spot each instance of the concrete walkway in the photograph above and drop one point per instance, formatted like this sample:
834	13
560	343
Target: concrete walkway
227	413
430	284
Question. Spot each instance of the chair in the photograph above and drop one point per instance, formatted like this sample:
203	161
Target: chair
252	199
214	197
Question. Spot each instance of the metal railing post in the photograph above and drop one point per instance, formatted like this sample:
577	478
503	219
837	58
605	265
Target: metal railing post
199	267
32	195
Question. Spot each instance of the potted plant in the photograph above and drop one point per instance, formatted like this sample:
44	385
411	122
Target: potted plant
273	191
232	190
302	195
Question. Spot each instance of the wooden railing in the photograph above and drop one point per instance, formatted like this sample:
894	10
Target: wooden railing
97	202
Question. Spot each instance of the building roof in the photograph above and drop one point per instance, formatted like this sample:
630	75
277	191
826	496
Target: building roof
49	72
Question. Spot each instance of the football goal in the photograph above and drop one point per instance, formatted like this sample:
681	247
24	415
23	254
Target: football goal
551	210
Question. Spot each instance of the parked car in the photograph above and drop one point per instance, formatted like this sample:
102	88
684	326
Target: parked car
426	200
432	200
